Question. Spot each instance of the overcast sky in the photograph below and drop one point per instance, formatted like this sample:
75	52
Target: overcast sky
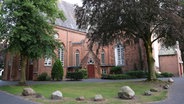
79	2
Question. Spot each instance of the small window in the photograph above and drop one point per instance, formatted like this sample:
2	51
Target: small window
77	58
104	71
90	61
48	62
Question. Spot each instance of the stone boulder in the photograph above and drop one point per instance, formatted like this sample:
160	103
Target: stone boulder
98	97
126	93
166	86
28	92
170	80
154	90
81	98
38	95
147	93
56	95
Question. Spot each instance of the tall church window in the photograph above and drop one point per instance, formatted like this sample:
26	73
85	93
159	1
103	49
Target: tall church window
103	57
119	55
77	58
61	54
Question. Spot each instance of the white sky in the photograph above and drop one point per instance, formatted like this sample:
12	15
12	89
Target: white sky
78	2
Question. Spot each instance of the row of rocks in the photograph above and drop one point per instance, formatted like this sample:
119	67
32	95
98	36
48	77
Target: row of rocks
149	92
97	97
30	92
125	93
57	95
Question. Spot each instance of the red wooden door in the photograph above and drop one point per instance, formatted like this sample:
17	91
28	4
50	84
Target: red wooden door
91	71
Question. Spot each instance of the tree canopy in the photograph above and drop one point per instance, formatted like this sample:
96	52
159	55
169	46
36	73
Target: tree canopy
109	21
27	27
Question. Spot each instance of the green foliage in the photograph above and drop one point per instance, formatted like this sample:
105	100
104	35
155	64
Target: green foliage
165	74
116	70
84	72
127	75
57	70
77	75
138	19
137	74
43	77
116	76
28	27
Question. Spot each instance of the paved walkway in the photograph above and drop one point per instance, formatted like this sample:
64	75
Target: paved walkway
176	91
11	99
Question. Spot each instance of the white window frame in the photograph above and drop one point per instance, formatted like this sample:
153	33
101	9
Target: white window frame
102	57
119	55
77	58
61	54
104	71
48	61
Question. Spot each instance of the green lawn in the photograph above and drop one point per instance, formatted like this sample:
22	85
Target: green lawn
108	90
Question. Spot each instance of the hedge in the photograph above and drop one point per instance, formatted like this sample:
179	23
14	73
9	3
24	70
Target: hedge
115	76
75	75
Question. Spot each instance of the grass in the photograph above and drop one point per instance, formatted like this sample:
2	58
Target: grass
108	90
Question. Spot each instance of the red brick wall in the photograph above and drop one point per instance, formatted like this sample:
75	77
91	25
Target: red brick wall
74	40
169	64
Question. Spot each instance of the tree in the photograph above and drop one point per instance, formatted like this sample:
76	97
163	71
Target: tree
57	70
29	29
109	21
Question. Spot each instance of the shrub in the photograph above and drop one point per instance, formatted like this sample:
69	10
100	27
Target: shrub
166	74
84	72
57	70
116	70
115	76
43	77
75	75
137	74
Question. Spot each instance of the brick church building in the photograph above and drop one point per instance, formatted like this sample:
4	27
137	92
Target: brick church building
74	53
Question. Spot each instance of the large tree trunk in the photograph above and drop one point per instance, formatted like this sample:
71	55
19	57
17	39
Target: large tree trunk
150	61
23	71
140	55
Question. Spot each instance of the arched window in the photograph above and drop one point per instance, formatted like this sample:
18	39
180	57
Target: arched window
119	55
56	36
61	54
103	57
77	58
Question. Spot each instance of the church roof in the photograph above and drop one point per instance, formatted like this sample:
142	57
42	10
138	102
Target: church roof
69	13
167	51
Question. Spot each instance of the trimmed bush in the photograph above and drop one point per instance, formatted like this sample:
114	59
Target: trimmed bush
57	70
115	76
75	75
43	77
137	74
84	72
116	70
164	74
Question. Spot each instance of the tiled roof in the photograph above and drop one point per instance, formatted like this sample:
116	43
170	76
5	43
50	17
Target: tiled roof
167	51
68	10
